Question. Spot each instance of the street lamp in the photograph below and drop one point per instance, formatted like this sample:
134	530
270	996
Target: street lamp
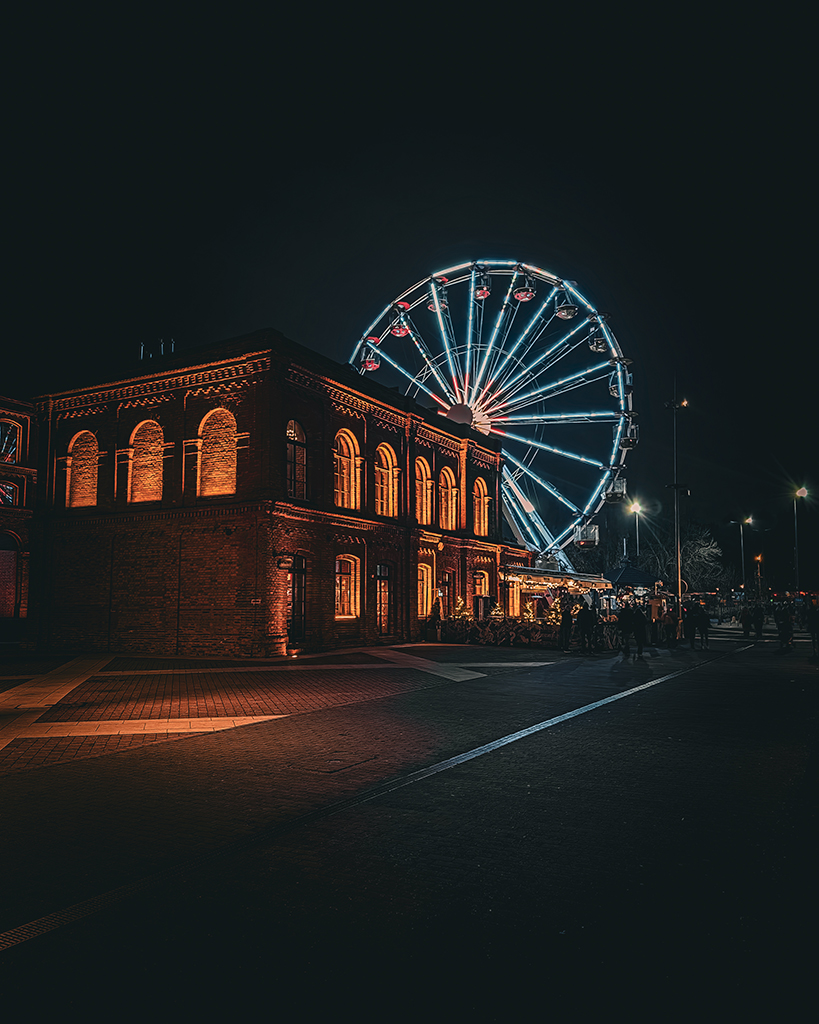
801	493
758	560
741	523
674	406
636	508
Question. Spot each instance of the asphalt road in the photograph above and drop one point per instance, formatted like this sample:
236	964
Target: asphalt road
650	857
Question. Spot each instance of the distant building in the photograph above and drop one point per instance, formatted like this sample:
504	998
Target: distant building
249	499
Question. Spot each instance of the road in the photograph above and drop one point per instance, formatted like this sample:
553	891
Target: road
446	831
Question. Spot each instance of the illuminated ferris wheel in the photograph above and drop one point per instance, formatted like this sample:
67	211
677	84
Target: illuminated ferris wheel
518	352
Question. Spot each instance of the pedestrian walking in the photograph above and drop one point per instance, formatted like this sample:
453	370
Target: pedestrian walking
669	624
784	627
689	624
625	625
703	620
566	623
586	623
758	616
640	629
745	620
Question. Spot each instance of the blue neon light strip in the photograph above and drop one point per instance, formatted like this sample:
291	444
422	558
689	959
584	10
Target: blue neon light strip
439	314
543	483
413	380
522	338
548	448
527	372
609	416
582	377
501	315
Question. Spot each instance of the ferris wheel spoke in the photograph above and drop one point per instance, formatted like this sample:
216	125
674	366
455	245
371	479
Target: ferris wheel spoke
544	323
549	448
600	416
545	360
414	381
507	302
550	488
445	326
429	361
552	389
526	509
519	517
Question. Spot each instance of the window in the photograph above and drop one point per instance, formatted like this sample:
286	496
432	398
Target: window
386	481
425	595
384	598
81	470
296	461
347	587
423	492
480	508
448	500
9	441
481	581
347	470
296	599
217	454
513	598
145	465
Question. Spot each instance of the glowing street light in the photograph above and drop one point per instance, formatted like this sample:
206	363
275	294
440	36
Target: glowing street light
636	508
801	493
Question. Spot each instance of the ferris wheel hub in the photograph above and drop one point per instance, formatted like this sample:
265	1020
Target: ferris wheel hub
460	414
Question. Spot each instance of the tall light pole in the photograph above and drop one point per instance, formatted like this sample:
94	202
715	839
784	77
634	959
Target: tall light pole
674	406
758	560
636	508
801	493
741	523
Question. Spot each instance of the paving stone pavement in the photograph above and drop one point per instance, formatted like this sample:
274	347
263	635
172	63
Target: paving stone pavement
562	864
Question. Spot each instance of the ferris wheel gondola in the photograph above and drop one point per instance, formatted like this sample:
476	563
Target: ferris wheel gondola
540	368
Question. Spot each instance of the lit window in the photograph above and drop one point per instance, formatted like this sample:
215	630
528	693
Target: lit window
145	468
296	461
423	492
347	470
425	595
384	598
448	500
9	441
347	587
296	605
81	470
386	481
480	508
217	454
481	581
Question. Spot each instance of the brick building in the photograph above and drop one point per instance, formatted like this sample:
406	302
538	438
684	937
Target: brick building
255	497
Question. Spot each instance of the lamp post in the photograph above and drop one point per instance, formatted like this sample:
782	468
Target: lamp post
636	508
741	523
758	560
674	405
801	493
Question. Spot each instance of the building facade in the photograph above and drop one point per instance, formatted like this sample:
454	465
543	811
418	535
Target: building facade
256	498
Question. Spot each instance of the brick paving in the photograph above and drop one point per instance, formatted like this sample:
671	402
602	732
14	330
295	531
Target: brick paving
641	846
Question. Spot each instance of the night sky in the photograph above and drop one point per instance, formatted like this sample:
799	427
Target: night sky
201	181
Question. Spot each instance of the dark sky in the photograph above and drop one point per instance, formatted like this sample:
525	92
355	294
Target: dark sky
200	181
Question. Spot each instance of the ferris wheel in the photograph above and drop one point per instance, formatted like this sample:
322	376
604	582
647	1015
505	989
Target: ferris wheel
518	352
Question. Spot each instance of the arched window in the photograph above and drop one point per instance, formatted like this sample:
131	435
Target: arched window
481	581
480	507
347	587
296	461
347	470
423	492
81	470
447	500
425	593
386	481
145	468
9	441
217	454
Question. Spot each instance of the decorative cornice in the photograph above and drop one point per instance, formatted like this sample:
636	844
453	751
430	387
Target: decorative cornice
232	373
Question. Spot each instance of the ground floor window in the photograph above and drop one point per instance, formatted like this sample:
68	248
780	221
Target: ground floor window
347	587
384	598
425	594
296	599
